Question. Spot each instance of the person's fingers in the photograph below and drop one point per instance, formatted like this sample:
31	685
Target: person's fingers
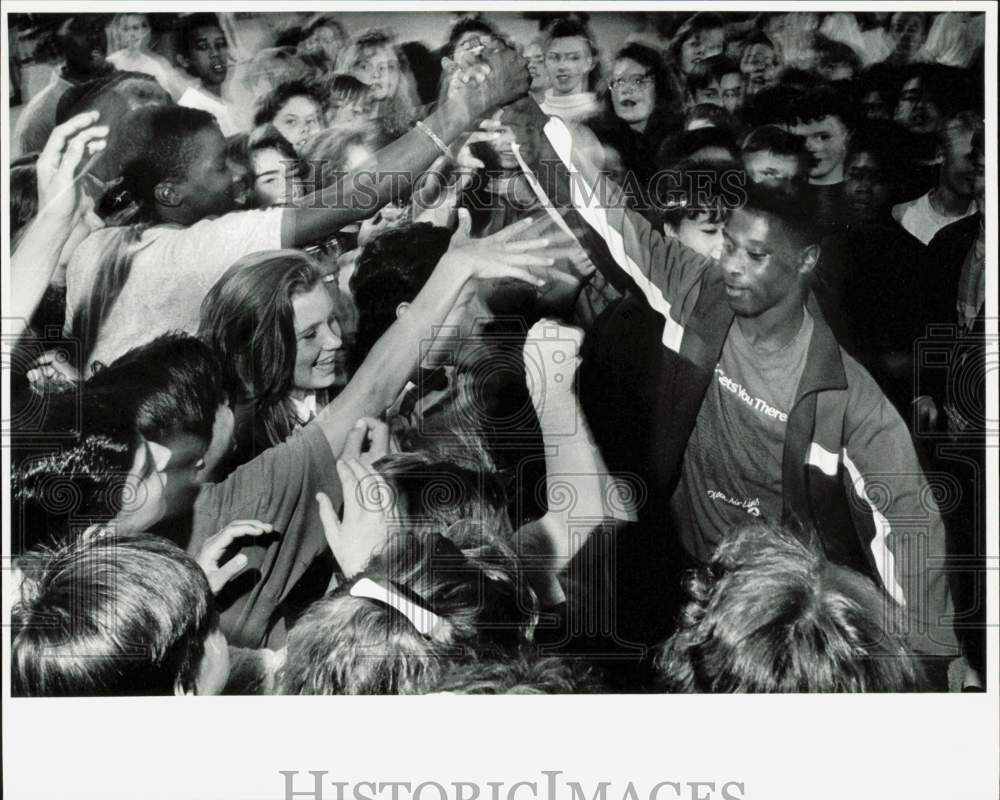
62	133
379	438
228	571
382	491
512	230
515	273
526	245
77	147
355	439
216	545
327	515
530	259
348	483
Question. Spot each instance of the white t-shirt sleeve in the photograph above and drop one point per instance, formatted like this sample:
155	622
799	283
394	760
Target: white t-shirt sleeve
209	247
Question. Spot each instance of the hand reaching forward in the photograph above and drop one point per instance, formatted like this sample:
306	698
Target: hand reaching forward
364	528
496	256
58	186
215	547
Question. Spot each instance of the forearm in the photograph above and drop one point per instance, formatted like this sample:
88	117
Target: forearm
33	264
395	356
361	193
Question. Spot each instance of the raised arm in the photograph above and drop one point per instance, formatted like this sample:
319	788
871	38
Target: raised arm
396	355
581	496
37	255
504	77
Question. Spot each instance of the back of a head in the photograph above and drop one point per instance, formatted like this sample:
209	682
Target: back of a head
437	493
822	102
888	143
522	675
81	481
711	143
710	70
392	268
360	641
693	188
109	615
170	385
770	614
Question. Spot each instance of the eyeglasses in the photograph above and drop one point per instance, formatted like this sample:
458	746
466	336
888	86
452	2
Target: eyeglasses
630	81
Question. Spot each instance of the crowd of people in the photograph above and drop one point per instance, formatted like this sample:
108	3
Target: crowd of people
354	366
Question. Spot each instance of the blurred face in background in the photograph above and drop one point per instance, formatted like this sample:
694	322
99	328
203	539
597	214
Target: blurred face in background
917	110
133	32
325	40
770	169
702	233
726	93
84	43
958	169
633	93
826	142
867	187
907	31
701	45
209	57
536	68
875	106
298	120
347	111
274	179
379	68
758	65
569	62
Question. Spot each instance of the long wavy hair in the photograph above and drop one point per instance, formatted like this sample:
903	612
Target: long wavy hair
248	319
396	113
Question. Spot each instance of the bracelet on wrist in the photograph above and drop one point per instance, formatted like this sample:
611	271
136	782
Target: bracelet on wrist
441	145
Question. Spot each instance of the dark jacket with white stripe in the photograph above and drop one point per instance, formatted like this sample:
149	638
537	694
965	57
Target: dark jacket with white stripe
849	466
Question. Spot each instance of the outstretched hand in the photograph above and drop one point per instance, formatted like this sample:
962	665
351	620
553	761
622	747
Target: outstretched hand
499	255
215	547
364	528
58	187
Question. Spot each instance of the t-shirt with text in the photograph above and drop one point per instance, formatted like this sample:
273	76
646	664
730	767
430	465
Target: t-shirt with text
731	472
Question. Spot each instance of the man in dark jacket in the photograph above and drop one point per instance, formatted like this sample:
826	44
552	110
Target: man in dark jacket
738	400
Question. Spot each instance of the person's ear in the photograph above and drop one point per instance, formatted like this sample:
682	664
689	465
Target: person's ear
402	308
168	194
808	259
448	66
182	61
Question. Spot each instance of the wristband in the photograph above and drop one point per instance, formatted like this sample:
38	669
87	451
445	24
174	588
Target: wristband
420	126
